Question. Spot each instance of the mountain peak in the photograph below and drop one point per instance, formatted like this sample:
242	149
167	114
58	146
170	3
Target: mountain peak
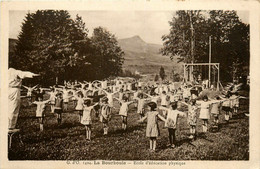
138	38
134	39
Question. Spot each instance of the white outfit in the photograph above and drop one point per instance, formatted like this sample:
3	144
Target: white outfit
40	107
86	118
123	109
80	103
172	117
204	111
164	101
15	82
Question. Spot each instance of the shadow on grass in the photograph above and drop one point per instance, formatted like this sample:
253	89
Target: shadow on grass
119	132
222	125
185	140
204	137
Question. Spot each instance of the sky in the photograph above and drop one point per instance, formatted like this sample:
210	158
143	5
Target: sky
149	25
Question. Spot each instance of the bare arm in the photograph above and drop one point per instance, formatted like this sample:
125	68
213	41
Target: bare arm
163	108
185	103
25	87
162	118
118	100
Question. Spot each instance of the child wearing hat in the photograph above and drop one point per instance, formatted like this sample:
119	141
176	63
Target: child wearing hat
152	129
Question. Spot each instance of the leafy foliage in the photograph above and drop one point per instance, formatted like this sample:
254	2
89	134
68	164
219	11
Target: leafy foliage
230	40
54	45
107	54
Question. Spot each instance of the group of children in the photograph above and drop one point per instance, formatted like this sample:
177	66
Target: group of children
152	101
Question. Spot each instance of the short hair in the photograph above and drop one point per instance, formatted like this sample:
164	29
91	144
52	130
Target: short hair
105	99
87	102
205	97
193	101
174	105
152	105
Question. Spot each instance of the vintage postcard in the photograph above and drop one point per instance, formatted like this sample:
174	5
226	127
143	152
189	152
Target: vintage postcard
130	84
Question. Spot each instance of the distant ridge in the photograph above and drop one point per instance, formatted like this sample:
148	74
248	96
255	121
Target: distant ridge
145	57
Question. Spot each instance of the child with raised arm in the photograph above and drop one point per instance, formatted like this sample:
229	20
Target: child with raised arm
86	118
152	128
52	94
29	91
226	106
235	102
215	110
40	111
58	107
109	96
65	97
204	112
164	101
140	105
123	112
172	115
192	117
80	102
105	114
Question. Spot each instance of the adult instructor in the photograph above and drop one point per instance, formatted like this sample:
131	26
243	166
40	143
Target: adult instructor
14	100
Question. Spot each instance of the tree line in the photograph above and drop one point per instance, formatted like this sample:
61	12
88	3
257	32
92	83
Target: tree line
54	45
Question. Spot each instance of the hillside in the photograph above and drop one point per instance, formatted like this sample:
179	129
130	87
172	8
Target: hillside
145	57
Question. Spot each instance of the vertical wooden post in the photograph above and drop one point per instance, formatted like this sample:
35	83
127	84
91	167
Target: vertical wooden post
192	49
218	78
209	60
184	72
57	80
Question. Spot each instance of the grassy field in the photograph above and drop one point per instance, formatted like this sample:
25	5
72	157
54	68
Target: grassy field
67	142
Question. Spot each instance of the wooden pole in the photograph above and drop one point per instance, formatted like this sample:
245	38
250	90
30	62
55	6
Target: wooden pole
218	78
192	48
209	60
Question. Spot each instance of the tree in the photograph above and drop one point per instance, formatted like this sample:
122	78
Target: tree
178	41
162	73
107	57
230	40
52	44
156	78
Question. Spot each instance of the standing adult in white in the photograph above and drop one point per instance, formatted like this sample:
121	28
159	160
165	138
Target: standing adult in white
15	82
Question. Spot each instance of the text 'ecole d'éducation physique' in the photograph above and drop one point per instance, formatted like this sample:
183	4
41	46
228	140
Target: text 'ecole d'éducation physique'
170	163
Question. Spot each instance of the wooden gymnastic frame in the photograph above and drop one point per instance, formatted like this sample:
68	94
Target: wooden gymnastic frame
188	67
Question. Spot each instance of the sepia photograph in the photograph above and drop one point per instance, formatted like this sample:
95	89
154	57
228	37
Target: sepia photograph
147	86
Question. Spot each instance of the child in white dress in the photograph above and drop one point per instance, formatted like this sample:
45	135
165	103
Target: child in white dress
86	118
123	112
204	113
